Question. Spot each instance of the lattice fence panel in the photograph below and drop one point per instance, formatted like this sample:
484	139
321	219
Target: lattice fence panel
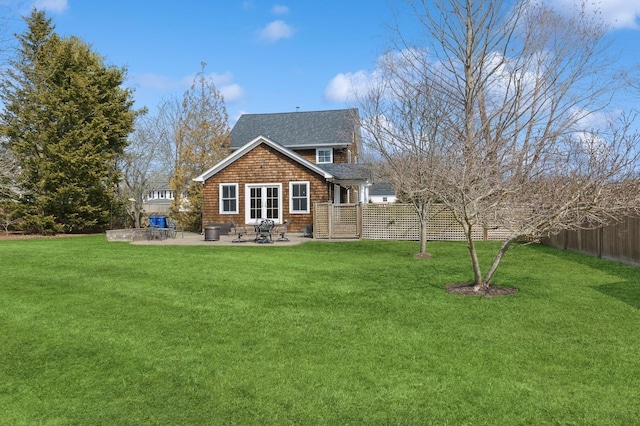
513	217
390	222
442	226
393	222
321	220
344	220
400	222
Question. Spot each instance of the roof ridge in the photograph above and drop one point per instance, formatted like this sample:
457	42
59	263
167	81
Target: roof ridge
300	112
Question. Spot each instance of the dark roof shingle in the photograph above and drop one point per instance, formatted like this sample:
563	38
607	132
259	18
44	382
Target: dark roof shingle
299	129
348	171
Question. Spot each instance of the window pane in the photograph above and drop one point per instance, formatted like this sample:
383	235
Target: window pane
228	198
299	201
324	155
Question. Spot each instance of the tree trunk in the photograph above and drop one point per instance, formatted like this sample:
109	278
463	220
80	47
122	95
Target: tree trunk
423	229
477	273
496	261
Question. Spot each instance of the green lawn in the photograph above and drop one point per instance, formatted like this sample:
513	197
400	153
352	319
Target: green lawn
323	333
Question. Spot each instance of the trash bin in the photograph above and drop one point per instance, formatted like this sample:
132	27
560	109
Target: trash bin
153	221
158	221
212	233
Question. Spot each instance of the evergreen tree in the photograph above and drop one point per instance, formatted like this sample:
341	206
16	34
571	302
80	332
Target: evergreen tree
66	119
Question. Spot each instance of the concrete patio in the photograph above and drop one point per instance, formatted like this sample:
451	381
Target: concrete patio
192	239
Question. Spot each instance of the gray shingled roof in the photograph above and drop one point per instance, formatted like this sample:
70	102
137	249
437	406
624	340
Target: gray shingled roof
348	171
381	188
299	129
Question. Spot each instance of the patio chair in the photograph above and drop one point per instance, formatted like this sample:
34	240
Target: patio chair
172	228
239	231
282	230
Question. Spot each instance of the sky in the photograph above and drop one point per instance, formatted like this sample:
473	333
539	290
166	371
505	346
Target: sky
263	56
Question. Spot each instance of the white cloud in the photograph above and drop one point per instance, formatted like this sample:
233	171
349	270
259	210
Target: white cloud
344	87
58	6
232	93
275	31
616	13
279	9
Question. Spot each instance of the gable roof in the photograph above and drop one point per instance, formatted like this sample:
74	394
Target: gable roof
238	153
381	188
307	129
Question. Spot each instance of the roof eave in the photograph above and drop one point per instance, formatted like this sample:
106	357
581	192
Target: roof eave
239	152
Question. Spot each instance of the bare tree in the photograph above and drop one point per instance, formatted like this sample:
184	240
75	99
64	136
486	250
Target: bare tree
403	125
518	143
141	166
195	132
9	189
9	170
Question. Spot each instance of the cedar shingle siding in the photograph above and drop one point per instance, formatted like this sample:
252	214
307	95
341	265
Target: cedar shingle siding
263	165
281	148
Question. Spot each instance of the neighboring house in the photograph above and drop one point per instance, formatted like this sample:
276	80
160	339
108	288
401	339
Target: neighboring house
281	164
158	198
382	192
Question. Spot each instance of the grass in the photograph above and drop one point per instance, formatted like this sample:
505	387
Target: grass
322	333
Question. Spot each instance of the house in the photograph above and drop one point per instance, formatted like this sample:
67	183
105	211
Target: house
283	163
382	192
158	198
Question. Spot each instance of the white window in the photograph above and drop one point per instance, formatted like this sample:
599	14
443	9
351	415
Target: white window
263	201
324	155
299	197
228	198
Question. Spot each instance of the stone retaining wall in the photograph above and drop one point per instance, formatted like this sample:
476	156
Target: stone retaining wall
127	235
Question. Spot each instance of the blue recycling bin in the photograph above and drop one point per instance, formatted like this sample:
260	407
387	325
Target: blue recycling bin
158	221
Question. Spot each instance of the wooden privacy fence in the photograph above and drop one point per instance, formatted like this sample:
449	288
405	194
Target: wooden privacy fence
619	242
391	222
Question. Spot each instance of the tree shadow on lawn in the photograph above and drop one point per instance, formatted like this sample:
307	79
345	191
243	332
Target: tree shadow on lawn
624	291
627	286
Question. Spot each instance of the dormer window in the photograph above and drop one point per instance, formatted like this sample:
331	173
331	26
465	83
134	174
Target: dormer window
324	155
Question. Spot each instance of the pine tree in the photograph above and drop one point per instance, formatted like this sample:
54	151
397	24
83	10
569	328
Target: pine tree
66	119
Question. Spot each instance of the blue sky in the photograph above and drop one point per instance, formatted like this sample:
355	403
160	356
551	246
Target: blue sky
264	56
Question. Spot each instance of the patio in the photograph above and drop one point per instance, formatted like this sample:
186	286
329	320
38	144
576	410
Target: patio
192	239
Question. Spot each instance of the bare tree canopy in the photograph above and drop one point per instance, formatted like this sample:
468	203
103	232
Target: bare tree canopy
503	112
9	170
141	166
195	135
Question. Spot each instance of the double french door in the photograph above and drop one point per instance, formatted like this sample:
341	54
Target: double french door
264	202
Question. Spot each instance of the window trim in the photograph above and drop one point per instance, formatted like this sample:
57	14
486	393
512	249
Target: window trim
318	150
308	197
221	199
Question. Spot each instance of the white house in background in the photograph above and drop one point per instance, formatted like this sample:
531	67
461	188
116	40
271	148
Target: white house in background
382	192
159	197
